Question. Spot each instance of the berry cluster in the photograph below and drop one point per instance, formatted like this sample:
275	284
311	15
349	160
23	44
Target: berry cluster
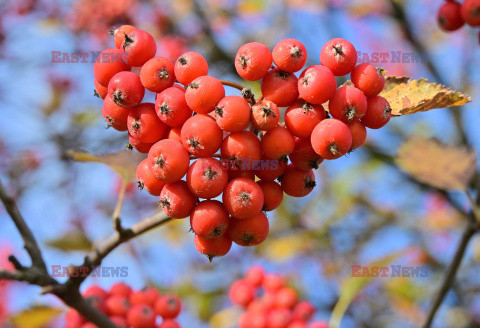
194	120
268	302
453	15
129	308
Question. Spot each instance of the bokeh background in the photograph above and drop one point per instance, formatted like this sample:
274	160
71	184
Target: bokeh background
362	210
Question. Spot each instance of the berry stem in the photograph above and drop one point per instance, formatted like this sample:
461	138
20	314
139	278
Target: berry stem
232	84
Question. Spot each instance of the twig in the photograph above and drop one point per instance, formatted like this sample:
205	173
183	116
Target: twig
117	222
232	84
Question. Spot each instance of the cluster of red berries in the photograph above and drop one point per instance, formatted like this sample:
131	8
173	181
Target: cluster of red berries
453	15
194	120
269	303
129	308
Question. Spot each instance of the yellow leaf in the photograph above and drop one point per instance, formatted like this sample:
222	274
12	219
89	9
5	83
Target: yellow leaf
71	241
437	164
282	248
37	316
226	318
124	162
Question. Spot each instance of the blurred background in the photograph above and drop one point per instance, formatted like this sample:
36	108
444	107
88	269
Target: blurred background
362	210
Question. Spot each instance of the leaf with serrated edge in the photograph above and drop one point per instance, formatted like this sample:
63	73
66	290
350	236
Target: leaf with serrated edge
436	164
124	162
37	316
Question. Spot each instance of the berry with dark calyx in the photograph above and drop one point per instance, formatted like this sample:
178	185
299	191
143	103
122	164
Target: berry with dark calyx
304	311
206	178
176	200
209	219
168	306
296	182
201	135
157	74
273	194
117	305
109	63
144	125
359	134
449	16
141	316
368	79
278	143
189	66
171	107
279	318
232	114
119	34
146	180
339	55
139	46
471	12
243	198
302	117
168	160
240	149
348	104
141	147
331	139
125	89
378	113
253	60
114	115
213	247
317	84
280	87
100	90
249	232
265	115
289	55
204	93
241	293
303	156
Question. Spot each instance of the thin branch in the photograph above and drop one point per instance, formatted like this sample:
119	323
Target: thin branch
232	84
117	222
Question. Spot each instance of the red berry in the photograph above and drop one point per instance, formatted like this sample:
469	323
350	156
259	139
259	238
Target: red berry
368	79
240	149
471	12
249	232
168	160
100	90
146	180
201	136
318	324
331	138
339	55
175	134
303	311
253	60
109	63
289	55
213	247
449	16
378	113
114	115
209	219
252	320
279	318
232	114
120	289
317	84
172	107
273	194
140	47
301	118
278	143
270	169
254	275
119	321
296	182
347	104
117	305
125	89
286	297
189	66
359	134
204	93
206	178
265	115
297	324
73	319
144	124
95	291
168	306
303	156
169	323
243	198
146	296
176	200
239	173
141	316
141	147
157	74
241	293
280	87
119	34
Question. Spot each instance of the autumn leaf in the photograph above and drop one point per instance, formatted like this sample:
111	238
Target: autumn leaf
225	318
71	241
283	248
36	316
437	164
124	162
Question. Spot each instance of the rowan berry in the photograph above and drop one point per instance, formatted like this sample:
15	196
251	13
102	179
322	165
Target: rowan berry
243	198
146	296
139	46
172	107
176	200
157	74
201	135
289	55
119	34
232	114
303	156
100	90
279	318
213	247
121	322
347	104
304	311
95	291
278	143
109	63
252	320
449	16
378	113
125	89
138	145
254	275
114	115
301	118
286	297
265	115
297	324
168	306
331	139
249	231
253	60
169	323
270	169
141	316
240	149
234	173
146	180
317	84
144	125
206	178
189	66
168	160
204	93
471	12
368	79
318	324
280	87
273	194
117	305
73	319
359	134
120	289
241	293
339	55
209	219
175	134
296	182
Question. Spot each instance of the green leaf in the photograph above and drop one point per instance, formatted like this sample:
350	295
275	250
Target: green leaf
71	241
36	316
